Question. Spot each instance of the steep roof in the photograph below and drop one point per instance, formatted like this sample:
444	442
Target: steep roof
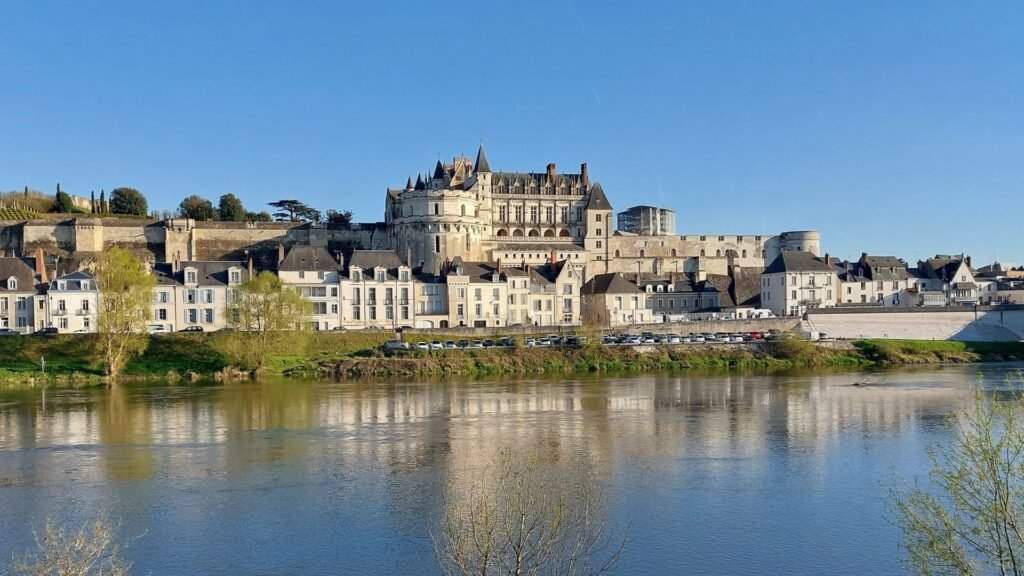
481	164
208	272
370	259
610	284
439	170
20	271
597	200
308	259
798	262
73	281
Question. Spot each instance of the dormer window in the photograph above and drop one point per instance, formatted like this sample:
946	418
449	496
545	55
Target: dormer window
12	283
380	275
190	276
404	275
235	277
62	285
357	275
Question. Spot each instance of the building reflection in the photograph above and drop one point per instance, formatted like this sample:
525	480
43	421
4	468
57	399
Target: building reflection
458	428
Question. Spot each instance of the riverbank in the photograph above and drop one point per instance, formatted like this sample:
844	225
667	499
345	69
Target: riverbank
69	359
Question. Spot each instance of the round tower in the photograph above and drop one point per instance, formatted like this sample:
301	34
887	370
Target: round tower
794	241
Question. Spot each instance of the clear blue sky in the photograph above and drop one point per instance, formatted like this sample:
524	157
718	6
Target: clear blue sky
891	127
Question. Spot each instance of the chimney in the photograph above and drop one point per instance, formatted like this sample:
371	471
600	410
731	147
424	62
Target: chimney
968	261
525	267
177	262
863	257
340	257
280	254
408	256
551	170
584	176
637	273
250	268
828	259
41	265
554	257
499	266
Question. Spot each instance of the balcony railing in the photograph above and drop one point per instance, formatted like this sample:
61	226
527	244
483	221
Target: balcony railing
82	312
60	312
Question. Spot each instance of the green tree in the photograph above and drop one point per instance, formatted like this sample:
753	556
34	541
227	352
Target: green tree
196	208
262	216
295	211
128	201
103	208
970	521
266	313
525	516
335	217
62	202
230	209
92	202
126	293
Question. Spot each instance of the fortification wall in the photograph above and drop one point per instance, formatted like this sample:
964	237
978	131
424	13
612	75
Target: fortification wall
992	324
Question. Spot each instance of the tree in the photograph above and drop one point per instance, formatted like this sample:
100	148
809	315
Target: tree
196	208
335	217
971	520
128	201
295	211
103	208
266	312
90	551
62	202
230	209
521	517
92	202
126	293
262	216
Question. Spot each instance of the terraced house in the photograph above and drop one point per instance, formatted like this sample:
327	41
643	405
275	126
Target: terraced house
18	295
316	275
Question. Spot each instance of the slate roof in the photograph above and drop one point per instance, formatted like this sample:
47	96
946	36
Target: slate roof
208	273
368	260
798	262
308	259
21	271
73	281
597	200
481	164
610	284
940	268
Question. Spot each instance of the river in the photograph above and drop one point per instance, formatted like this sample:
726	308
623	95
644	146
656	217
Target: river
725	473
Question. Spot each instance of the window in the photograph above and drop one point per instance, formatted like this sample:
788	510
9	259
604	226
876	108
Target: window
437	244
236	277
549	214
357	275
190	296
334	291
302	274
462	209
62	306
503	213
519	213
371	296
496	309
193	316
533	214
564	214
208	315
567	289
190	276
477	294
22	304
600	244
793	295
85	305
403	276
380	275
356	312
597	217
161	314
389	313
405	312
479	310
373	313
334	308
437	209
320	275
319	308
62	323
12	283
496	294
207	296
600	232
460	310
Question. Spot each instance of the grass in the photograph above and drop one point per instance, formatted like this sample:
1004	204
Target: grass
18	214
70	358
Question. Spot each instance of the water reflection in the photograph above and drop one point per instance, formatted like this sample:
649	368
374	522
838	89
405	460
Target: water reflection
225	467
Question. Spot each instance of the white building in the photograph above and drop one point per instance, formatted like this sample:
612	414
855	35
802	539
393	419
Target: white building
316	275
194	294
879	281
72	303
377	291
17	295
611	300
796	281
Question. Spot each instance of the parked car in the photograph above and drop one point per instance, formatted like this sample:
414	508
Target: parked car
507	342
450	344
48	331
421	345
192	329
530	342
9	332
488	343
156	329
396	345
463	343
477	344
436	345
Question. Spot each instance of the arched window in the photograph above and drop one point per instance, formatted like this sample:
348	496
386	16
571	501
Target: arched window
616	253
463	209
641	253
12	283
674	253
763	253
701	253
437	244
437	209
744	253
718	253
469	243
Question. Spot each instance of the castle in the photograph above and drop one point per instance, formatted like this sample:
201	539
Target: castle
462	210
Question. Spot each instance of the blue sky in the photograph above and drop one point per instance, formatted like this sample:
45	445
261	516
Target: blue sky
893	128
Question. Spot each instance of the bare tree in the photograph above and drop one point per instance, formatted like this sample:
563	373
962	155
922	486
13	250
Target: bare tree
126	293
90	551
970	521
524	518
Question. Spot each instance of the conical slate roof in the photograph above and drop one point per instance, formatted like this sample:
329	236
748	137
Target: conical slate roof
419	182
481	164
598	201
439	170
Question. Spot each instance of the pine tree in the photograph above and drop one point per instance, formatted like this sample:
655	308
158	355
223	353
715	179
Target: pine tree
92	201
103	202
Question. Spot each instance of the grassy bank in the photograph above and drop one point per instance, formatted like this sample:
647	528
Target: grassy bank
70	359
